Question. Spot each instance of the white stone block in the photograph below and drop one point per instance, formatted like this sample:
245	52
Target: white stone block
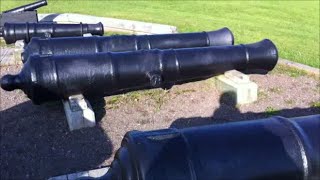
95	173
234	81
112	24
79	112
18	49
87	35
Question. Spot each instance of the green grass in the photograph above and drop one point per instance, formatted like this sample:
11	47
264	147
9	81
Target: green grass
262	94
289	101
270	111
276	90
156	95
315	104
3	44
292	25
290	71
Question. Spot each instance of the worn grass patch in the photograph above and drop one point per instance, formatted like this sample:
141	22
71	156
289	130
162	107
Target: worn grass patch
156	95
270	111
315	104
3	44
292	25
289	101
262	94
184	91
290	71
276	90
111	33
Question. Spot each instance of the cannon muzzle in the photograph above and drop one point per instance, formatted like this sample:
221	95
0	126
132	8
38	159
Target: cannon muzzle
12	32
28	7
89	45
46	78
272	148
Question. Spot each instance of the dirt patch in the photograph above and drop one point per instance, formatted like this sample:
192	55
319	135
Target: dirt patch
36	142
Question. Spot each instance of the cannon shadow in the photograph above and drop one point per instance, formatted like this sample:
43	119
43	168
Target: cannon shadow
228	112
36	142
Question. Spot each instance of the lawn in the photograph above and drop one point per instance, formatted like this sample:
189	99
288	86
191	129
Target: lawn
292	25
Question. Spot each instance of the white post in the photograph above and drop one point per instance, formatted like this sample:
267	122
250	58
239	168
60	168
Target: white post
234	81
79	112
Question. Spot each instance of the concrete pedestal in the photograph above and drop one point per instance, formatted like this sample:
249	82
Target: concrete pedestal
18	49
239	84
79	112
95	173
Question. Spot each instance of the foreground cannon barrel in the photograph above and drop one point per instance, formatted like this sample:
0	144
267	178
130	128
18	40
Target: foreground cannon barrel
12	32
28	7
273	148
46	78
87	45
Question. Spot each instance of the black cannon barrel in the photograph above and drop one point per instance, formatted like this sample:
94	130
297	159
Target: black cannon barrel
272	148
87	45
12	32
28	7
45	78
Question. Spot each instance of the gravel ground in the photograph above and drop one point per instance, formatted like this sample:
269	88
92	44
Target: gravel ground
36	142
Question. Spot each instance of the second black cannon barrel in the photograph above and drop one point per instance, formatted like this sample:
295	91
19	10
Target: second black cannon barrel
28	7
12	32
47	78
268	149
87	45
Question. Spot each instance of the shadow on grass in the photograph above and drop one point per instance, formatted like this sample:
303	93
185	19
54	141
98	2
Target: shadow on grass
36	142
228	112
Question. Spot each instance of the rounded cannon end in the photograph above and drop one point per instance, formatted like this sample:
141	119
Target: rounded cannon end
96	29
10	82
262	55
221	37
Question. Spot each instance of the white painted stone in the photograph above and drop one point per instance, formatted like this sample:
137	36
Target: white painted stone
95	173
7	56
87	35
18	49
111	24
234	81
79	112
19	44
11	55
